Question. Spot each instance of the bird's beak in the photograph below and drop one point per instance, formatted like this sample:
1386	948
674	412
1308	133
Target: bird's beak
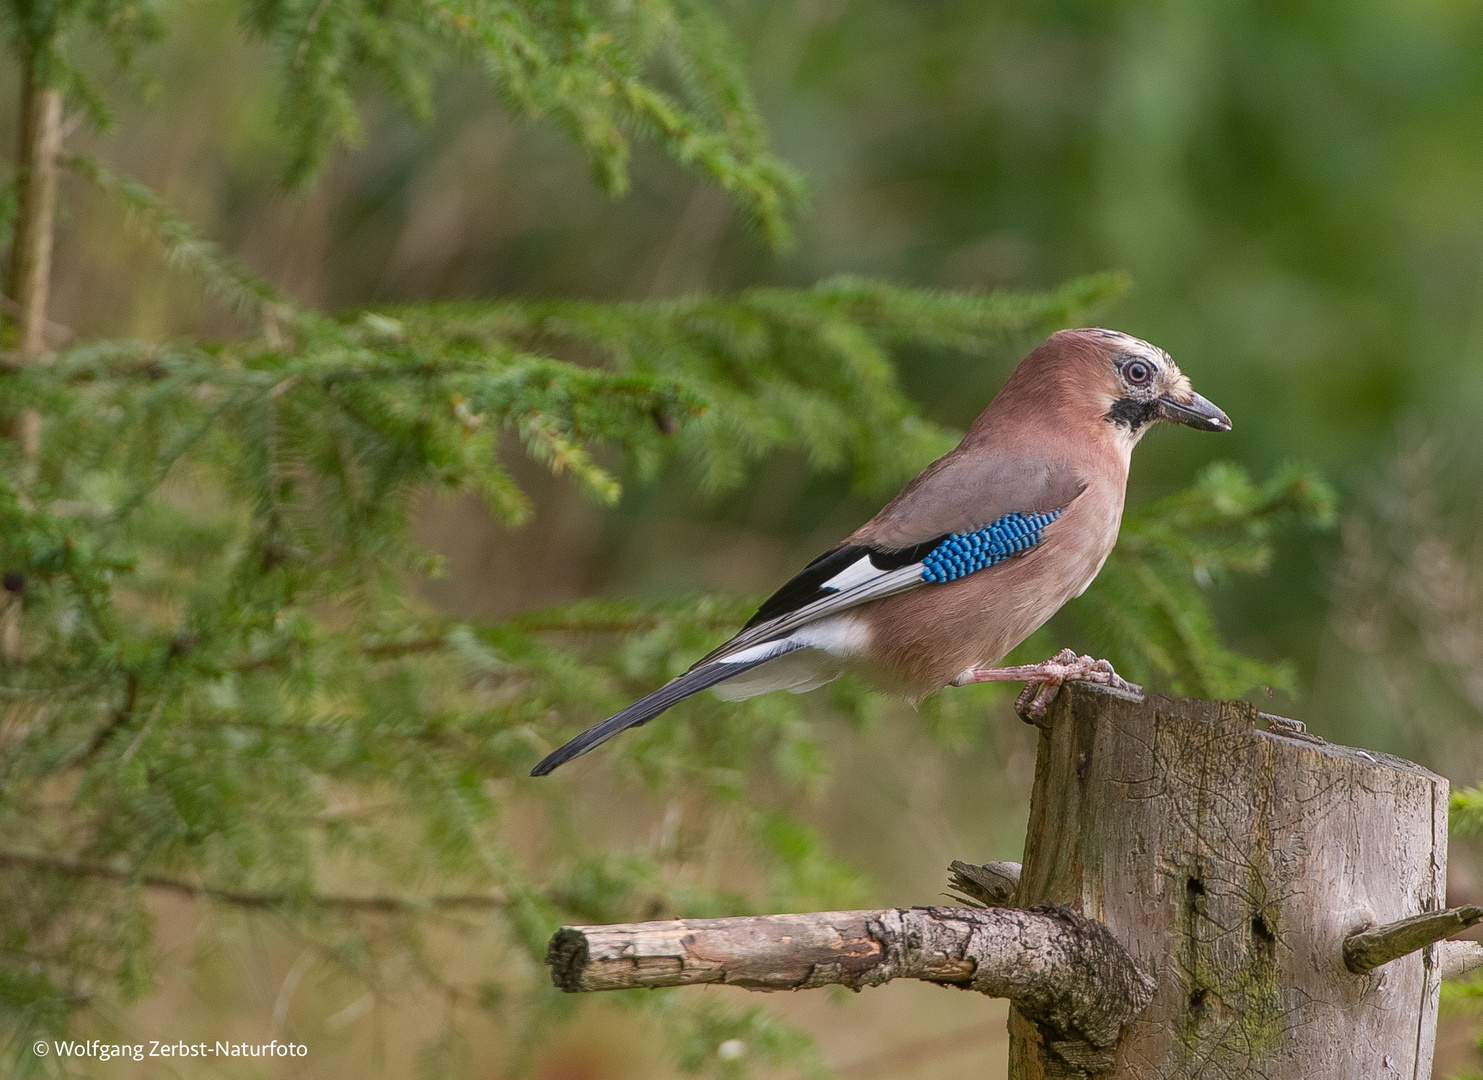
1196	412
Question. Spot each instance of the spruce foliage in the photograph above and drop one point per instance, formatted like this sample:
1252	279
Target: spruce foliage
603	71
217	681
1146	609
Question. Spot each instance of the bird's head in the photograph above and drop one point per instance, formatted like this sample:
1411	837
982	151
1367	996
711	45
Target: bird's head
1131	384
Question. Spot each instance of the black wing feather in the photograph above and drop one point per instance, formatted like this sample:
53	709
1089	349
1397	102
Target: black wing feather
806	586
895	558
803	587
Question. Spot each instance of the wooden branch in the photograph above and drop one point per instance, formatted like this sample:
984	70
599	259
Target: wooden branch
1368	949
991	884
1063	971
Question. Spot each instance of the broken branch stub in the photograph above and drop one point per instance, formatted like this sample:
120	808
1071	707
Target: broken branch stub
1062	970
1378	945
990	884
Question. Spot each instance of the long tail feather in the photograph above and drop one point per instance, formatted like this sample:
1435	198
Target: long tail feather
645	709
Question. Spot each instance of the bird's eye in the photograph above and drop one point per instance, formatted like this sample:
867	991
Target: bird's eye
1138	372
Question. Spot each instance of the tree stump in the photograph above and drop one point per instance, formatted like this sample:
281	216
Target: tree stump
1232	855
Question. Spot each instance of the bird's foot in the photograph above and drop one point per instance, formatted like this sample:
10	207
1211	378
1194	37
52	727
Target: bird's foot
1043	680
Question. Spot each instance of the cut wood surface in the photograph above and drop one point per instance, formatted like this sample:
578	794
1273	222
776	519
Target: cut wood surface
1063	970
1233	862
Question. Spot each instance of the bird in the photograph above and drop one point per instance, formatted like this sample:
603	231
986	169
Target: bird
973	555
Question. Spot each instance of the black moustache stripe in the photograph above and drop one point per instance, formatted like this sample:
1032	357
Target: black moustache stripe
1132	412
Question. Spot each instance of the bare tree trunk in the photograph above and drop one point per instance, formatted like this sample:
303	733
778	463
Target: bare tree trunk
29	281
36	188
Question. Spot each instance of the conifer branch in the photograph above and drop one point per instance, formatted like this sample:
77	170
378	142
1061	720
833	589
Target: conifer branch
386	904
240	290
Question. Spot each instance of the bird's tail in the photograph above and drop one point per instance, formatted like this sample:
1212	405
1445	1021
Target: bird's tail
645	709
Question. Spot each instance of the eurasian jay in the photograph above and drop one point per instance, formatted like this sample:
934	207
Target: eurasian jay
973	556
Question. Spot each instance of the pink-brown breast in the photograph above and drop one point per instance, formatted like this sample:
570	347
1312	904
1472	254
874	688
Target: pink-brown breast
923	639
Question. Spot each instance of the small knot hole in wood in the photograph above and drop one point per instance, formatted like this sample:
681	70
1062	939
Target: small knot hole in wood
1194	888
1262	934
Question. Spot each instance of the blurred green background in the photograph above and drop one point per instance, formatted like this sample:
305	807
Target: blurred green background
1296	191
1295	188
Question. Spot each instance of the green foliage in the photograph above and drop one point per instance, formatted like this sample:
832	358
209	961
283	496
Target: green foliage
1146	610
221	681
806	370
1463	996
216	678
220	662
1465	811
218	648
598	70
44	33
728	1044
603	72
223	279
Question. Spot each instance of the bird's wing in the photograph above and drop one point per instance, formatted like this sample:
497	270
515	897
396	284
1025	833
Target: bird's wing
958	517
947	528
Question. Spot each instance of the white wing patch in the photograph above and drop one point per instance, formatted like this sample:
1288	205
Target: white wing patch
859	572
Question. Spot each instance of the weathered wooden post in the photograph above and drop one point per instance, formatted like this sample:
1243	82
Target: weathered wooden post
1207	891
1232	854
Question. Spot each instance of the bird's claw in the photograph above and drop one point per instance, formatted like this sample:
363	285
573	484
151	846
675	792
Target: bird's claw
1065	666
1043	680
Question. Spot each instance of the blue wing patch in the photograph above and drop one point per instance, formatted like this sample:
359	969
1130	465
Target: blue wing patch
963	553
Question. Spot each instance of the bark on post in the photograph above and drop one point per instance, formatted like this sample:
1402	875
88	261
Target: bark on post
1234	856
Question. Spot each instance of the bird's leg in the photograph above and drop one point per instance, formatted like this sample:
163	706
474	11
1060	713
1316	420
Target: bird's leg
1043	680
